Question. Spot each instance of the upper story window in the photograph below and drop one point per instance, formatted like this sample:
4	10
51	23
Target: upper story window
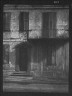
6	21
42	24
23	22
49	24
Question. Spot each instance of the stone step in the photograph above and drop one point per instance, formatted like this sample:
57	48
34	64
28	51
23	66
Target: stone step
7	72
18	72
21	73
13	79
18	77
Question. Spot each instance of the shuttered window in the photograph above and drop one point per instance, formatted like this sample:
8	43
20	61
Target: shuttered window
45	31
24	22
49	24
6	21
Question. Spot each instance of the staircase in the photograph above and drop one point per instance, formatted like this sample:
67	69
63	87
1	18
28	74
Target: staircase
22	74
25	78
18	76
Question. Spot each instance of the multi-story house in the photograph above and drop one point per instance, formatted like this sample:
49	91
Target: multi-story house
36	40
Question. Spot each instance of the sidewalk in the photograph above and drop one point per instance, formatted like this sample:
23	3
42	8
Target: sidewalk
20	83
30	85
15	87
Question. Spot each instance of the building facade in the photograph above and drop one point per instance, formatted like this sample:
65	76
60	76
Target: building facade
36	40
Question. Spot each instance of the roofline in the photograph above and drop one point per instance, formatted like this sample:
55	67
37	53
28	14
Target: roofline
18	7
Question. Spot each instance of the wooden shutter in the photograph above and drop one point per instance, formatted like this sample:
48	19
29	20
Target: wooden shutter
21	22
6	21
24	22
49	24
52	24
45	27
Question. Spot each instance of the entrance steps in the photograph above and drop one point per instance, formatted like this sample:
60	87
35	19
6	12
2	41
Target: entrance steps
21	73
24	77
18	76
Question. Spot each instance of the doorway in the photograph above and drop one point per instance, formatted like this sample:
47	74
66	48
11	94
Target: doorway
22	57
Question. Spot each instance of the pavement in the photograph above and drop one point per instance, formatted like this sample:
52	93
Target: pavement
15	87
19	83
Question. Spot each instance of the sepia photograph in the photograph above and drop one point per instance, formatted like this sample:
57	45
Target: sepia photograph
35	48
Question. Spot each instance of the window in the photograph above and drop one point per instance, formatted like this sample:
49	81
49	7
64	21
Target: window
24	22
6	21
49	24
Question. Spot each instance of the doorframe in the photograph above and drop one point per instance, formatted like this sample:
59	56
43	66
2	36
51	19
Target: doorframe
17	56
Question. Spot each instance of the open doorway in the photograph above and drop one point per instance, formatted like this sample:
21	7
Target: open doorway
22	57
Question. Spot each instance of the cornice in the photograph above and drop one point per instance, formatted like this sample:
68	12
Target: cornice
34	7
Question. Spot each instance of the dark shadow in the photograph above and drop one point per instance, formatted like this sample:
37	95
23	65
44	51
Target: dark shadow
22	57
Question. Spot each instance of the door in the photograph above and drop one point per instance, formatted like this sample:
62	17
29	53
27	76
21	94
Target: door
23	58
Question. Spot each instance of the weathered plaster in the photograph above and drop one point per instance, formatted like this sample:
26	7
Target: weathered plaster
12	59
6	35
14	27
62	23
35	24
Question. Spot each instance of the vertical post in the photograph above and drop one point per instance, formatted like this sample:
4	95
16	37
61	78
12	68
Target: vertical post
17	59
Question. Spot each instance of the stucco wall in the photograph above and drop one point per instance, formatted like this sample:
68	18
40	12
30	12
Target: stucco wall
12	58
35	24
62	23
14	27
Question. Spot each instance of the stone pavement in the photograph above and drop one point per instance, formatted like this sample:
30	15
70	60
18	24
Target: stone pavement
20	83
23	84
15	87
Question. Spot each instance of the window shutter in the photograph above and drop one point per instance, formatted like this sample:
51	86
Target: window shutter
6	21
23	22
49	24
45	28
52	24
26	21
